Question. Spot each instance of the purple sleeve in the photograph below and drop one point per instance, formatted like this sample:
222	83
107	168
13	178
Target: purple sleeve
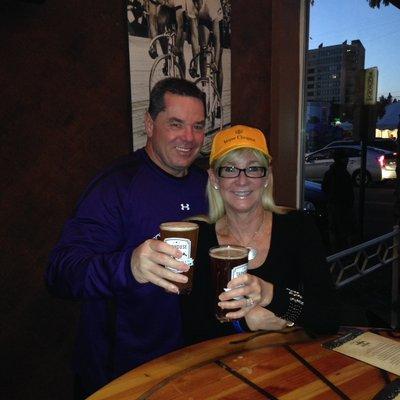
92	259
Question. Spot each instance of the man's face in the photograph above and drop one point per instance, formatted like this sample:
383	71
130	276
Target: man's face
176	135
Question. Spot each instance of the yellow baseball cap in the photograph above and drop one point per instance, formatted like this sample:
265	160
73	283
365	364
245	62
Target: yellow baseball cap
236	137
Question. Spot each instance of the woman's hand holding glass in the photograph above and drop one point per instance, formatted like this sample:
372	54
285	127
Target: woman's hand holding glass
260	318
246	292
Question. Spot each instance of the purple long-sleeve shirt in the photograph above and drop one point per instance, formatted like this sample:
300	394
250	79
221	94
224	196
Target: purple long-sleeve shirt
123	323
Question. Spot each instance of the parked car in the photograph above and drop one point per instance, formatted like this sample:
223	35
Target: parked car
314	198
315	205
380	165
342	142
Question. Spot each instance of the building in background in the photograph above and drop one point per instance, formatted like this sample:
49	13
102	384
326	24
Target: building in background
333	72
333	86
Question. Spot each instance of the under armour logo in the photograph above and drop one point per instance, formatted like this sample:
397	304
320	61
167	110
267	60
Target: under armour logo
185	206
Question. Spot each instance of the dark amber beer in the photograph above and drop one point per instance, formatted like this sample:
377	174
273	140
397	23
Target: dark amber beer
183	236
227	262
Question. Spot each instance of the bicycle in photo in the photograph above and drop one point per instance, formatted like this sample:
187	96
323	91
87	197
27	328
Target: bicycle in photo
207	83
165	65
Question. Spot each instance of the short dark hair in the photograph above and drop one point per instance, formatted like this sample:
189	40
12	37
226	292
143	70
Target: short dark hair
339	155
178	86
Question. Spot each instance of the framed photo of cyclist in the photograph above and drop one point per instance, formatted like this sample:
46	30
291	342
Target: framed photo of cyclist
180	38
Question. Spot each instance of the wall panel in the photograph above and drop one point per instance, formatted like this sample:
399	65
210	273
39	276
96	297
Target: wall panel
265	82
64	115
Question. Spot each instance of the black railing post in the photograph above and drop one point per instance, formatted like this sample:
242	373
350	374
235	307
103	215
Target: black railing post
394	314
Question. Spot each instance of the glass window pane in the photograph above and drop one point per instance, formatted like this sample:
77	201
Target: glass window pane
346	39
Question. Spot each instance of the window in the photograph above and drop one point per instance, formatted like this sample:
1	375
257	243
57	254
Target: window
321	155
352	152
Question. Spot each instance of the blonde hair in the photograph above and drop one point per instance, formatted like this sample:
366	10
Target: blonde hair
216	208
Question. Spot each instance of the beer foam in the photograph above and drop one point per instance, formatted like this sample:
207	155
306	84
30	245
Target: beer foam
178	226
228	253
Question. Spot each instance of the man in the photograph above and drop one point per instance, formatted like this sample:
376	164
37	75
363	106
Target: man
165	14
208	15
137	23
338	187
106	256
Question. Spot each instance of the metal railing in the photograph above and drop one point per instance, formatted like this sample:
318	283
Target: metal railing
356	262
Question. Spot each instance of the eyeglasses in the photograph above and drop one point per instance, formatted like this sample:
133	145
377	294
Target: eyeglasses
250	172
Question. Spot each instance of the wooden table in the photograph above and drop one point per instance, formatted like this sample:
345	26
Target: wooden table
273	365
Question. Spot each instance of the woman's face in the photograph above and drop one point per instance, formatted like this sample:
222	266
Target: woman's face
241	194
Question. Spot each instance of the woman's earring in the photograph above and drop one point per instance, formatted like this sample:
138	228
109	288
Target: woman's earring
266	185
216	187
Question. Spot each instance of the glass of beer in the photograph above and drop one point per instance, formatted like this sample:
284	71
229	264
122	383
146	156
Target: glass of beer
183	236
227	262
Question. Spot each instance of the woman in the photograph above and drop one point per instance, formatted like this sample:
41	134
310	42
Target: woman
288	280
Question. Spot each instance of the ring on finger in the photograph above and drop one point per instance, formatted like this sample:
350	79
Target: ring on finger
249	301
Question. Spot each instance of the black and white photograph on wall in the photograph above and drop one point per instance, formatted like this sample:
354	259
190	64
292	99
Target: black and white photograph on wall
180	38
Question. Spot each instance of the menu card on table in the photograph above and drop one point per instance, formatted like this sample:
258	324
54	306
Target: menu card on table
369	347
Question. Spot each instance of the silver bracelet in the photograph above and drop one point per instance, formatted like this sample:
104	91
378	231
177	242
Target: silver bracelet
295	308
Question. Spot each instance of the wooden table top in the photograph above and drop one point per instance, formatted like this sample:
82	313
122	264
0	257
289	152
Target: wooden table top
251	366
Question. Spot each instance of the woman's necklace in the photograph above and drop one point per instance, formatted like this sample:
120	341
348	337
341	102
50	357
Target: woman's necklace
252	250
